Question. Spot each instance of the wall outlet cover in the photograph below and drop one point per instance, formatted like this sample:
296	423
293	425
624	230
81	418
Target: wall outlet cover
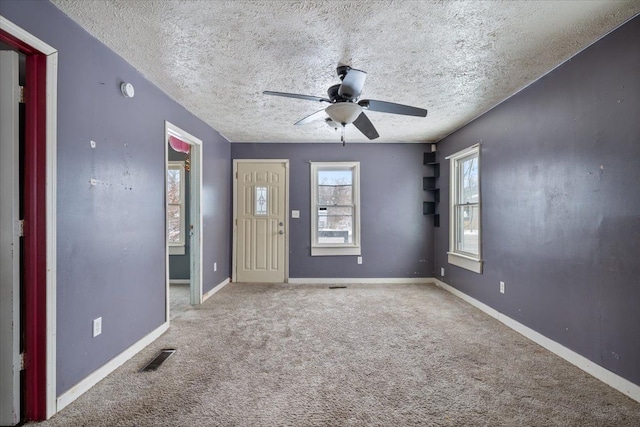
502	287
441	271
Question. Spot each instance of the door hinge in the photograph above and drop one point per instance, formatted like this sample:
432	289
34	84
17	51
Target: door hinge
21	361
21	94
21	228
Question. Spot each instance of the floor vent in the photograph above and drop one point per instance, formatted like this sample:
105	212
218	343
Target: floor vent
158	360
337	287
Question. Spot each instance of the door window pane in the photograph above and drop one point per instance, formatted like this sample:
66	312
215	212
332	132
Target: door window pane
261	201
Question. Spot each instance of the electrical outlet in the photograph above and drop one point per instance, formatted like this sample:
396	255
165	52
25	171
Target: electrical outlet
359	260
93	144
215	266
502	286
97	326
441	271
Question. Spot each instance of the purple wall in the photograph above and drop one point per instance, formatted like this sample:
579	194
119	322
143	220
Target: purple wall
561	207
397	240
111	237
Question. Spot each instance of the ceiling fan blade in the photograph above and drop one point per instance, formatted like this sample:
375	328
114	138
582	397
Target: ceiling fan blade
352	84
297	96
365	126
390	107
318	115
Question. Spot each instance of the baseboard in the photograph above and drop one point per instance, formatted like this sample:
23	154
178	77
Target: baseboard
614	380
215	289
76	391
179	281
374	280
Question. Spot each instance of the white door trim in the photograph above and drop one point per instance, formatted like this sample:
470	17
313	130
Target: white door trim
195	213
51	185
235	213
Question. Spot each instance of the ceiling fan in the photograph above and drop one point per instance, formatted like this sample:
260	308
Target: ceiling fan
345	107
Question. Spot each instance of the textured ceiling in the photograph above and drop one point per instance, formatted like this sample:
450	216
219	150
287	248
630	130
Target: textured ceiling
457	59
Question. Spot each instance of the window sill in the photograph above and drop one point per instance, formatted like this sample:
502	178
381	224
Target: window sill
176	250
468	263
334	251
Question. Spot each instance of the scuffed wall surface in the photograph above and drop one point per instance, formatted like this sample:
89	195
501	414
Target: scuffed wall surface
111	236
561	208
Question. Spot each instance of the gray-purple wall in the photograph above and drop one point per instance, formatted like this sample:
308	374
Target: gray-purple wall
560	176
397	240
111	237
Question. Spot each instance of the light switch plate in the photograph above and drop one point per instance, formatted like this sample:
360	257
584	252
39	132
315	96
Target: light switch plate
295	214
97	326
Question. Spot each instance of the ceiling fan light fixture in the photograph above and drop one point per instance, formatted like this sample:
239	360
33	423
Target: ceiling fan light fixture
343	112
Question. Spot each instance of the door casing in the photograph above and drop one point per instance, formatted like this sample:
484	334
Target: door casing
195	214
40	215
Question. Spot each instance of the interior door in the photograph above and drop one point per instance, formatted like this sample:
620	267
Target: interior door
261	197
9	240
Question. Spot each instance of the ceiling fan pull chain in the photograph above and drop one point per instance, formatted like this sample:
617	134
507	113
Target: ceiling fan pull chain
342	137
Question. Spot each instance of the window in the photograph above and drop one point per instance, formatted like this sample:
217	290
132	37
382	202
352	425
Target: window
175	207
465	244
335	208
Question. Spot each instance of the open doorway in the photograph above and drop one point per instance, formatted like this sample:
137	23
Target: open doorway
184	220
27	224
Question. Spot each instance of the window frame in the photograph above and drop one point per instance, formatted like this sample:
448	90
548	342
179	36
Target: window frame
455	256
178	248
332	249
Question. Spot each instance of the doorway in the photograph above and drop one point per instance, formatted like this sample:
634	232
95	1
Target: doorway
261	221
29	172
183	160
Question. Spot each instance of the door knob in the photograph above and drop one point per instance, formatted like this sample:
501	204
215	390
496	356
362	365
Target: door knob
280	232
281	223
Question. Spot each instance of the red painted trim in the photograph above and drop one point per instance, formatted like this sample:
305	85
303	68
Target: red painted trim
18	44
35	216
35	244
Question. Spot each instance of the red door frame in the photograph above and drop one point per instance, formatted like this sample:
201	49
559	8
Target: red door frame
35	219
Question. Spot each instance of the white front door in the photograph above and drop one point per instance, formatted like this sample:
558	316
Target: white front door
9	241
261	221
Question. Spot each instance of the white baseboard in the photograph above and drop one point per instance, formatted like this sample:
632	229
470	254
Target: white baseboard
215	289
84	385
375	280
614	380
179	281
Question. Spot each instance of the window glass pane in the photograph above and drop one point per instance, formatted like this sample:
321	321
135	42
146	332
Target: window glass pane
261	200
173	223
469	183
173	185
335	225
467	224
335	187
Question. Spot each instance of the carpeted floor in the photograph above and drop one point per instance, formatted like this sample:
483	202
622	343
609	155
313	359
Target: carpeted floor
379	355
179	299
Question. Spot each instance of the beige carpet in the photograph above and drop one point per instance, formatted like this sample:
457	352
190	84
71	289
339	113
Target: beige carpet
368	355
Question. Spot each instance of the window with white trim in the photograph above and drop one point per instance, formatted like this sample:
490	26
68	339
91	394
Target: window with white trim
176	207
335	208
465	243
